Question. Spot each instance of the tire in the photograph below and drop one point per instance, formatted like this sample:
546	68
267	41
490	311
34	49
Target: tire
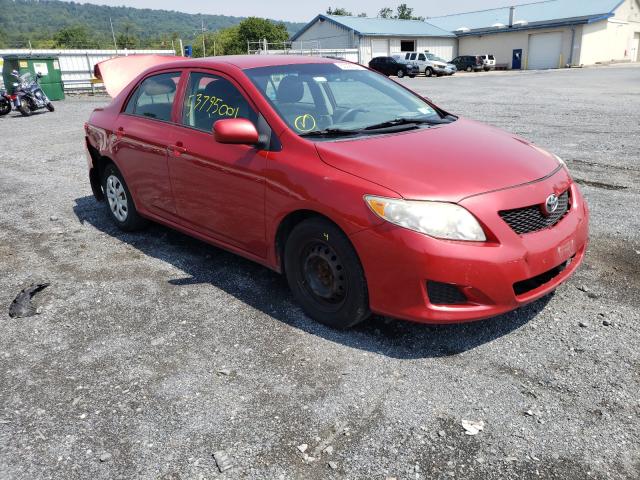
119	201
50	107
428	72
325	275
5	106
24	108
400	73
469	69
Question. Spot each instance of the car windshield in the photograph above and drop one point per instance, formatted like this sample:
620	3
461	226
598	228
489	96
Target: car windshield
433	57
331	99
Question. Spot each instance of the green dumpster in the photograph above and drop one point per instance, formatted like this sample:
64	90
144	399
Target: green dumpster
48	66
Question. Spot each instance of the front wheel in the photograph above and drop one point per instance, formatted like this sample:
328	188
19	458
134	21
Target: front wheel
5	106
119	200
400	73
428	72
325	275
50	107
469	69
24	108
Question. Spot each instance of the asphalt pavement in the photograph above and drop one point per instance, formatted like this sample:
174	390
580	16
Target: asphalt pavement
153	352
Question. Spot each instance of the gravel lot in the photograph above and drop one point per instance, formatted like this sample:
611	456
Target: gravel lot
152	351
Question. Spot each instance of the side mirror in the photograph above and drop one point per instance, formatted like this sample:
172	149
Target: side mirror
235	130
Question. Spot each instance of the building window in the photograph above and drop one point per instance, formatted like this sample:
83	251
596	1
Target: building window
407	45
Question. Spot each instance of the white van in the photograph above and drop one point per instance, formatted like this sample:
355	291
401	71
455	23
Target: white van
428	63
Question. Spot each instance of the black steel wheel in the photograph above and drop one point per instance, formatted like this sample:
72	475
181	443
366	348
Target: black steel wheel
325	274
50	107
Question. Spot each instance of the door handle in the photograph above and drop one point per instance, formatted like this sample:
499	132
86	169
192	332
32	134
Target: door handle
120	133
178	149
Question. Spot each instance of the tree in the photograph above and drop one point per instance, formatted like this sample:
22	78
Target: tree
127	38
339	11
363	15
222	42
406	13
255	29
385	12
76	36
403	12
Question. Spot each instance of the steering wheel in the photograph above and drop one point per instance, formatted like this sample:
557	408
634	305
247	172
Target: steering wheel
350	113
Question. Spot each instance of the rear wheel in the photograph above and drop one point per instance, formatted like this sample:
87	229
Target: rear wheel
325	274
50	107
400	73
119	200
24	108
469	69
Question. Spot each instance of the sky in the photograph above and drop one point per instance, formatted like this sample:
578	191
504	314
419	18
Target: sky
305	10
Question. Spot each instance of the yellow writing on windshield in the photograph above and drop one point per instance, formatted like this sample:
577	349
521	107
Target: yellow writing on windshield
305	123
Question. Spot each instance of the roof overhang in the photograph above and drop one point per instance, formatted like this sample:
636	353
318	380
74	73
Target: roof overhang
565	22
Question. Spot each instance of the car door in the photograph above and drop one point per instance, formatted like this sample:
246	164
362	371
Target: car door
141	146
219	188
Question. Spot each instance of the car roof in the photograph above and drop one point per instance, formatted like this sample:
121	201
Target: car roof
249	61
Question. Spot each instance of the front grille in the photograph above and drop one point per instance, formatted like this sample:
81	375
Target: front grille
531	219
520	288
444	294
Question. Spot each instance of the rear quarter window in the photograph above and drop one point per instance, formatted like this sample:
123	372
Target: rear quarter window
154	97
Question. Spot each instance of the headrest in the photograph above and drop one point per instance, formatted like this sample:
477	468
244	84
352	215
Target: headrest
290	89
221	89
159	86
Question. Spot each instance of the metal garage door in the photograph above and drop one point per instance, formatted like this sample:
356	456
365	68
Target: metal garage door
544	50
379	47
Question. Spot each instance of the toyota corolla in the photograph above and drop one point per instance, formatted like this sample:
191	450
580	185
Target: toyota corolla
368	197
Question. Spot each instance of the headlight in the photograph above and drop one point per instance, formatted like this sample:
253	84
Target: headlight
437	219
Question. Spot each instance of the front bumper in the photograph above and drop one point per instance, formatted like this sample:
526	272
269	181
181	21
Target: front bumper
398	262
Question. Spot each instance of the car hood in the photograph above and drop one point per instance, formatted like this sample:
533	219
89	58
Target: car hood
447	162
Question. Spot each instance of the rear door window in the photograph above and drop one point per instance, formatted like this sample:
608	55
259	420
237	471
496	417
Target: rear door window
209	98
154	97
413	56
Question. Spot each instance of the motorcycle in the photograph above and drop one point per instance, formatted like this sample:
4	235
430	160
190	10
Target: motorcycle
28	95
5	102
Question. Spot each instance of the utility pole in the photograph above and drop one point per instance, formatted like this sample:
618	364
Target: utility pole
113	35
204	49
181	48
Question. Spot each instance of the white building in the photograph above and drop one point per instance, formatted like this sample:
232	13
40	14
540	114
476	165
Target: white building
375	37
539	35
550	34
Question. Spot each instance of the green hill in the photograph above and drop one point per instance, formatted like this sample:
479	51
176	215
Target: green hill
36	21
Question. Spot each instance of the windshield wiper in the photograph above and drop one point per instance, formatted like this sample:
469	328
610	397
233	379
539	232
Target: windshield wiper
406	121
330	132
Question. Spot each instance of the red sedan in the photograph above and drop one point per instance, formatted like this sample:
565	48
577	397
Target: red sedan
368	197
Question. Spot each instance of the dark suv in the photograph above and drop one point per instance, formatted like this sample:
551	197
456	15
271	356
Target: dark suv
390	66
469	63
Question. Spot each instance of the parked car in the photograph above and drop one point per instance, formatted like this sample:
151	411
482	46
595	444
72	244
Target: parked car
390	66
468	63
430	64
366	195
488	62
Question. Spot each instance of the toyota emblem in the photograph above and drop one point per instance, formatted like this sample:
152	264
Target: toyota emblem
551	204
